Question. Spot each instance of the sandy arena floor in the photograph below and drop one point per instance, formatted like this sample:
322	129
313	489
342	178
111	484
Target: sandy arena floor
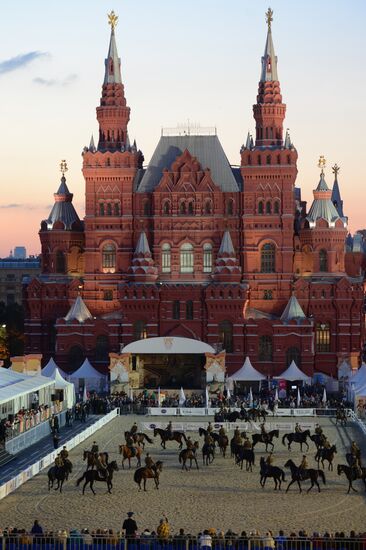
220	495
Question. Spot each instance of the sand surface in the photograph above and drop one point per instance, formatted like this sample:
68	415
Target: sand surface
220	495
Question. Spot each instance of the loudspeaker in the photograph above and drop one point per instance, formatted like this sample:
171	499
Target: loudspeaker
53	397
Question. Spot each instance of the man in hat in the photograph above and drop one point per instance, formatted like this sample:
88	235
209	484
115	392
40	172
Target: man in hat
133	430
169	429
129	526
270	459
318	429
298	428
64	454
304	464
149	461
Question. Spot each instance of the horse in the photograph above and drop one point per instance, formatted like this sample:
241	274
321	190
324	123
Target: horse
234	416
257	414
353	460
300	474
91	476
166	436
234	445
318	440
59	474
94	459
247	455
326	454
127	455
351	474
208	454
265	438
188	454
271	471
297	437
148	473
139	438
341	417
223	443
215	436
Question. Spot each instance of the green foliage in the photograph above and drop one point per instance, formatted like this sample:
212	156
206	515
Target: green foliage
12	336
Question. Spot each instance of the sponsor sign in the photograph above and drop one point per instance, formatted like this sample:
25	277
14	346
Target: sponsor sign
192	412
163	411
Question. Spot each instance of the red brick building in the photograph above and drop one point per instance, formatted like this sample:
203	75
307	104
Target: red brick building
191	246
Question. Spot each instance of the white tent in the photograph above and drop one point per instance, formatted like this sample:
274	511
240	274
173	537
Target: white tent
18	387
359	379
293	373
344	371
49	369
67	387
247	373
89	376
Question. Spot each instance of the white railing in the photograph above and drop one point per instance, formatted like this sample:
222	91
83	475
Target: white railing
229	426
48	459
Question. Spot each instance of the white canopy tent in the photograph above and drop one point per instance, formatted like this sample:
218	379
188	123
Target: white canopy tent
247	373
344	371
359	379
292	374
87	374
168	345
17	389
50	368
67	387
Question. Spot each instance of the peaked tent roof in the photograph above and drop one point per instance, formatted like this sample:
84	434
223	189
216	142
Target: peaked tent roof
208	151
293	310
345	370
50	368
359	379
78	311
292	373
86	371
142	246
247	373
63	209
336	198
227	246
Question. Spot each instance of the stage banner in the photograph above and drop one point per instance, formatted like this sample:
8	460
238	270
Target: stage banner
192	412
303	412
163	411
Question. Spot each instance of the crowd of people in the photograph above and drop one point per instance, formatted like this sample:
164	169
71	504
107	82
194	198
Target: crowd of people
25	419
164	537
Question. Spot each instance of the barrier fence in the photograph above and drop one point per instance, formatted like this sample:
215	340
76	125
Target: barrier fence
48	459
230	541
184	411
229	426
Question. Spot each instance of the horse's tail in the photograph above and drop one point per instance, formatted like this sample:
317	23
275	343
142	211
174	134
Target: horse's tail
148	439
106	457
283	475
321	474
184	437
284	439
80	480
137	476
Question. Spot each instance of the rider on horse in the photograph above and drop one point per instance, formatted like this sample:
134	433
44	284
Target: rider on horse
133	430
95	449
356	453
222	431
247	443
149	461
270	459
298	428
304	464
264	431
209	428
208	439
130	444
59	463
318	429
169	429
64	454
190	444
326	443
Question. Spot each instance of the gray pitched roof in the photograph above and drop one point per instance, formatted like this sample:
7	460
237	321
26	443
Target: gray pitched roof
208	151
142	246
269	75
336	198
293	310
322	206
113	77
78	311
227	246
63	209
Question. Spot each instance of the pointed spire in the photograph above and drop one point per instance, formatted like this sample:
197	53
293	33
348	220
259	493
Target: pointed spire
227	265
288	143
78	311
112	63
92	144
293	310
269	59
63	209
336	195
227	246
143	266
142	246
248	141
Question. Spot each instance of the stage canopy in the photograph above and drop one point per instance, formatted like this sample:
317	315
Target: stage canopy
359	379
49	369
67	387
93	379
168	345
247	373
292	373
18	387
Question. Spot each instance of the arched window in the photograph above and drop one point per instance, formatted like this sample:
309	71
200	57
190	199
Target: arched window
116	209
278	159
268	159
186	258
109	258
190	208
189	310
176	309
230	207
276	207
109	209
166	208
75	357
60	262
101	209
323	260
139	330
268	258
260	207
259	160
165	258
182	208
322	337
102	348
268	207
147	209
293	354
265	348
208	207
226	336
207	258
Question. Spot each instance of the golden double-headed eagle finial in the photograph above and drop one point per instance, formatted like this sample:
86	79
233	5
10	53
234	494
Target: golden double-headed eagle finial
269	17
322	163
335	170
63	167
112	20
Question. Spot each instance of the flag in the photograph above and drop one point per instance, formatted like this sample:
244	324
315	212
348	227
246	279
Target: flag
159	396
228	394
298	397
131	394
250	397
207	398
324	398
276	395
182	397
85	394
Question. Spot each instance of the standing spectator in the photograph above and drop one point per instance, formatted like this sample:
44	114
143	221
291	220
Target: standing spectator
36	529
205	540
163	530
130	526
55	439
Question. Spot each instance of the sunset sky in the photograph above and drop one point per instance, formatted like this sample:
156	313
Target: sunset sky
196	60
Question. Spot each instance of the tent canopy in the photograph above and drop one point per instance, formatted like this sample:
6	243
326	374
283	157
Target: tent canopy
247	373
93	379
359	379
292	373
15	384
86	370
68	387
49	369
344	370
170	344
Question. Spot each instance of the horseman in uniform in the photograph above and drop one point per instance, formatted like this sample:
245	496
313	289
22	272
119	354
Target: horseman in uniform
59	463
64	454
130	445
318	429
133	430
209	428
356	453
169	429
95	449
264	432
149	463
270	460
304	464
209	440
190	445
222	431
326	443
247	443
298	428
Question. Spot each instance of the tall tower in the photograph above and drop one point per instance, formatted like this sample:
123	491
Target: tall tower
109	171
268	168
